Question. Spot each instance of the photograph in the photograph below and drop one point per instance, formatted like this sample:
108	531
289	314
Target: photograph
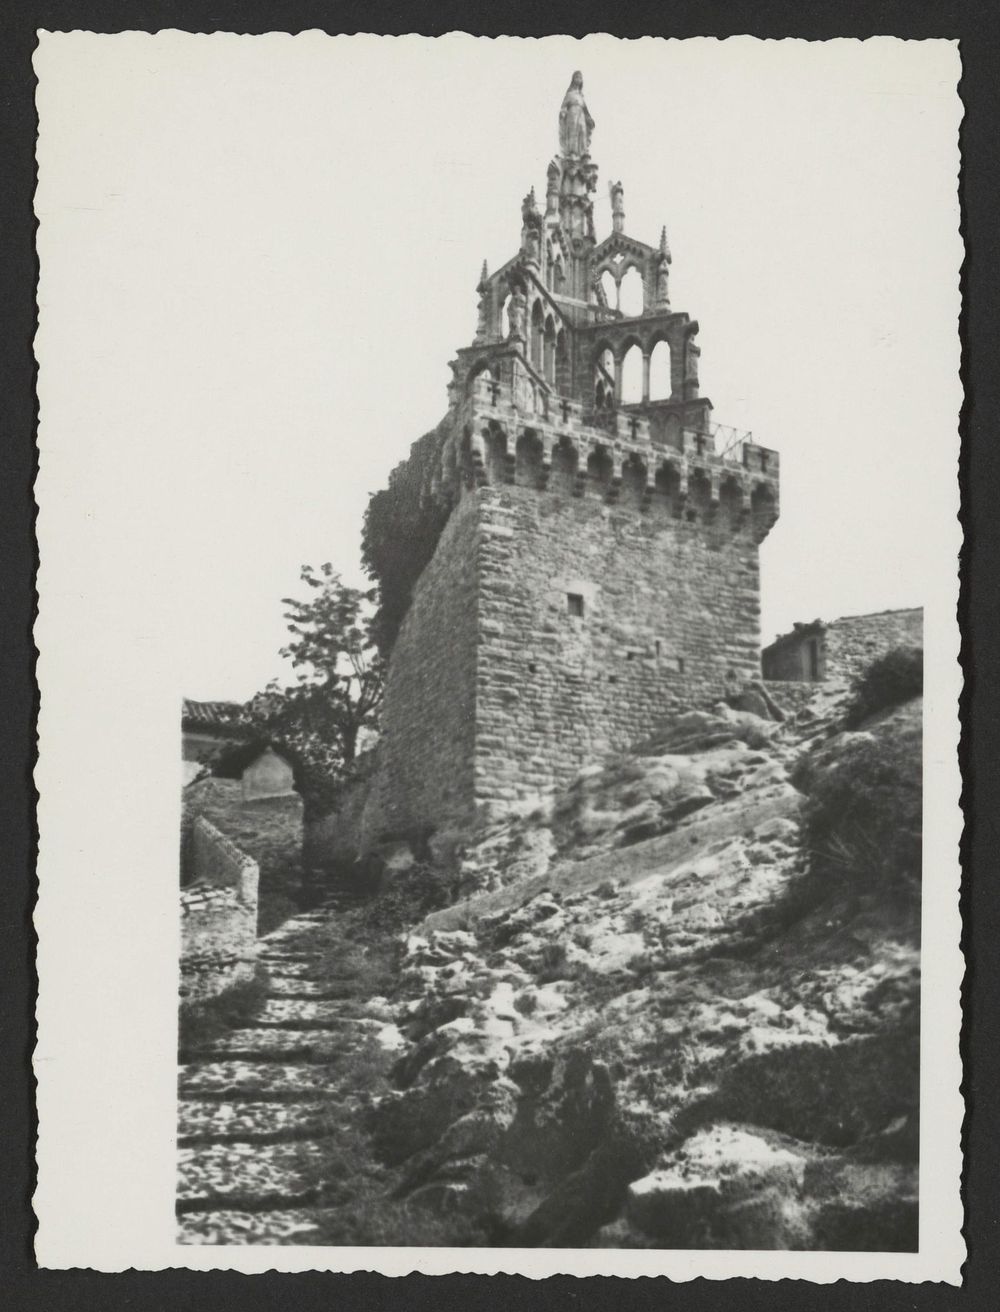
525	476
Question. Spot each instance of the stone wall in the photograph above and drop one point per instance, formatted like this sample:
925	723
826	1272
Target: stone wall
425	776
855	641
594	620
218	914
841	649
549	630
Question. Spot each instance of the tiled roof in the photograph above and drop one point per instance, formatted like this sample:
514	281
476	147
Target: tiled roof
210	714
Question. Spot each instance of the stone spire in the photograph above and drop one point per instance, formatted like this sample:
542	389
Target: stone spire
483	288
662	299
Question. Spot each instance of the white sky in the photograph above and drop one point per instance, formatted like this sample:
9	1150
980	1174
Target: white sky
259	255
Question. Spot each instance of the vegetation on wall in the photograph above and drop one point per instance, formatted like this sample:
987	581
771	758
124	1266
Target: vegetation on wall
863	809
402	526
888	681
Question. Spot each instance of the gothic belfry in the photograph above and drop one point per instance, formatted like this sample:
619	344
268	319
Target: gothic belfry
598	561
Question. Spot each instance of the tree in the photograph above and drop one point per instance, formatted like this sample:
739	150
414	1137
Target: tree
340	677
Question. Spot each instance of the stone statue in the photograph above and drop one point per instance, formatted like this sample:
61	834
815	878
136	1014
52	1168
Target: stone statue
575	123
515	315
617	206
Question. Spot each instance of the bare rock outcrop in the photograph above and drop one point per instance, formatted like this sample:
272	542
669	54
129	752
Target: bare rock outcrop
652	1021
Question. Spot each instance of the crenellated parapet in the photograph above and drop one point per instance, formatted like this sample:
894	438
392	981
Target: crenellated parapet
554	444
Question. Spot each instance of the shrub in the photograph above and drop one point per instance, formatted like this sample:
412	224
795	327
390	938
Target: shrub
888	681
863	812
406	897
553	964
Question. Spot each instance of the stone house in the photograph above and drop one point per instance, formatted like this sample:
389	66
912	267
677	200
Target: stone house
842	648
261	769
598	561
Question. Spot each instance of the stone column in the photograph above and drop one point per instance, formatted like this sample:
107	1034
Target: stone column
645	378
618	382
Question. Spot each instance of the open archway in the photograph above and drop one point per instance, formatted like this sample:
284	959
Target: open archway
631	298
660	381
632	375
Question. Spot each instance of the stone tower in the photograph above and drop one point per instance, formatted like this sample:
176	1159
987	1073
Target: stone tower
598	563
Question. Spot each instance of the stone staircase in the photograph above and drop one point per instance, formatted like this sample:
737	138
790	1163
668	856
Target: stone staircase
257	1105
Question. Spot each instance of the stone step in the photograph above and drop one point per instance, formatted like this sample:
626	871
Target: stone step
305	970
255	1081
247	1176
284	956
309	988
296	1013
273	1044
209	1119
227	1226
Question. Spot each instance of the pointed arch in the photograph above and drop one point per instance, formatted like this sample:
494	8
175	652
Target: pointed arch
632	375
631	293
660	377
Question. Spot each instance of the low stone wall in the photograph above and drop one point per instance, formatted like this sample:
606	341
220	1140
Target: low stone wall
218	914
852	643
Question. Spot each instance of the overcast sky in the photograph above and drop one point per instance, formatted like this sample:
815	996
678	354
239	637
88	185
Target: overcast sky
259	255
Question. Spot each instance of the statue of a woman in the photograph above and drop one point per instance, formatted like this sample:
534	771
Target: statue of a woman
575	123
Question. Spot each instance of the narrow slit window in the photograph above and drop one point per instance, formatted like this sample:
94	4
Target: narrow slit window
574	603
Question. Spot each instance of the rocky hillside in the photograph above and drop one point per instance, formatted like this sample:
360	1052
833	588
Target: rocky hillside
677	1006
656	1019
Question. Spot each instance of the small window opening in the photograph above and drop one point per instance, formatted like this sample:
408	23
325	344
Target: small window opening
574	603
532	668
631	655
659	647
612	678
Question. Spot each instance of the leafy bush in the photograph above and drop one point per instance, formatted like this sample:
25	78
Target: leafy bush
863	810
406	897
888	681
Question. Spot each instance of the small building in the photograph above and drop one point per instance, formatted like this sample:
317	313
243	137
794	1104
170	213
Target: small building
261	769
208	729
798	656
840	649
